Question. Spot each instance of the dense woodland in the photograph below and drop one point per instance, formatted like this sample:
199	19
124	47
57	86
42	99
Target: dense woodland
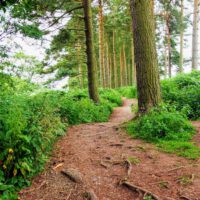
94	54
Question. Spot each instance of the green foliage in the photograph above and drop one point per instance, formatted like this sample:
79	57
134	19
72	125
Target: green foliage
111	95
31	31
183	91
128	92
28	128
168	128
31	122
162	123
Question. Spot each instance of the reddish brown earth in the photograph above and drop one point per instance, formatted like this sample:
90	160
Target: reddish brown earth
98	152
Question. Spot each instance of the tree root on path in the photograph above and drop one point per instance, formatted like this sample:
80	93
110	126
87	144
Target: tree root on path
129	167
58	166
73	175
90	195
139	189
184	198
180	167
116	145
103	164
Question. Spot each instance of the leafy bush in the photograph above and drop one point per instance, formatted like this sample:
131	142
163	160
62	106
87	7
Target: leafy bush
30	123
162	123
128	92
183	91
28	128
168	128
113	96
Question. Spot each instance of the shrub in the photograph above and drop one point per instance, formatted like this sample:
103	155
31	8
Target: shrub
30	124
112	96
183	91
168	128
162	123
128	92
28	128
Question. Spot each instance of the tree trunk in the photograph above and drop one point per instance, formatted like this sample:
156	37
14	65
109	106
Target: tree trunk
133	63
124	67
195	35
121	68
80	76
107	66
91	65
168	35
114	61
181	39
148	84
166	62
101	44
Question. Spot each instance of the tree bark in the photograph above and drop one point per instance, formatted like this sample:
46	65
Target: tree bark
114	62
121	68
181	39
91	64
195	35
125	77
133	63
168	35
107	69
148	84
101	44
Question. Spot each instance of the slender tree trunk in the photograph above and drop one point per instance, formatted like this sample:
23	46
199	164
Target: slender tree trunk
128	74
101	44
152	6
133	63
168	35
80	76
110	71
115	62
148	84
195	35
124	66
166	62
121	68
107	66
181	39
91	64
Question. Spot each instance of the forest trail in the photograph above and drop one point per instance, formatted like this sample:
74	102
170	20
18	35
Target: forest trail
99	152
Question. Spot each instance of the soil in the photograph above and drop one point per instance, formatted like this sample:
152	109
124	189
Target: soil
99	151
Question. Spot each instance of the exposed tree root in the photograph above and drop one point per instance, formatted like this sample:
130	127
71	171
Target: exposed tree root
117	162
91	195
184	198
116	145
129	167
57	166
180	167
139	189
73	175
103	164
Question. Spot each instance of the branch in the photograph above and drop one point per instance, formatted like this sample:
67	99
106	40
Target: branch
67	12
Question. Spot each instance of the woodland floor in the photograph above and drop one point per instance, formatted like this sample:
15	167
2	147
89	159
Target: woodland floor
99	152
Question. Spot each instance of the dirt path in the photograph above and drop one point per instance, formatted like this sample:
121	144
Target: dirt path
98	152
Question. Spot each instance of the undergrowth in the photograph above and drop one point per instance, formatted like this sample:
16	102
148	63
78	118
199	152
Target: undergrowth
128	92
31	122
168	129
183	91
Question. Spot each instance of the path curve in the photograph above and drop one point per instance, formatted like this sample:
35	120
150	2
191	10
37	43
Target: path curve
93	149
